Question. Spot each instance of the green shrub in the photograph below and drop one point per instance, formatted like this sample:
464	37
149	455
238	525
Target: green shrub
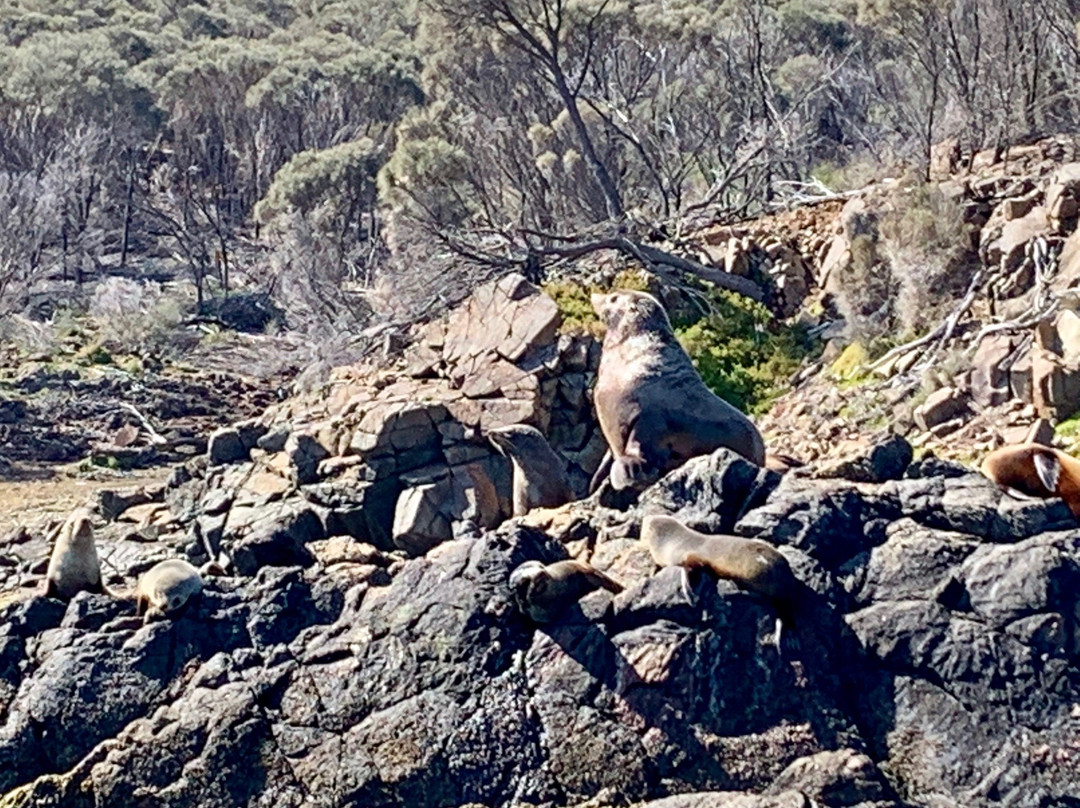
572	300
743	354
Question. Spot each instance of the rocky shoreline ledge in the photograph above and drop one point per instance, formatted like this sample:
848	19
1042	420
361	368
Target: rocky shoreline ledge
366	648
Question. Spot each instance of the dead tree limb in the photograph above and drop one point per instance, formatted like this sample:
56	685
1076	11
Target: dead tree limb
660	259
942	333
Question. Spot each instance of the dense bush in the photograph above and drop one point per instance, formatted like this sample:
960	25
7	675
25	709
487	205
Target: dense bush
909	266
743	354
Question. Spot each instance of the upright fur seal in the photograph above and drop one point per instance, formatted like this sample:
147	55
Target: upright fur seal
539	474
73	565
751	563
1036	470
542	591
164	589
654	410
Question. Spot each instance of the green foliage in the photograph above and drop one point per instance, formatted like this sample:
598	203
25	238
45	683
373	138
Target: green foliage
819	23
1069	429
72	74
341	176
846	176
742	353
575	306
572	300
850	367
94	354
427	172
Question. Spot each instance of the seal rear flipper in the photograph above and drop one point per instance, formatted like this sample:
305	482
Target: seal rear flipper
1048	469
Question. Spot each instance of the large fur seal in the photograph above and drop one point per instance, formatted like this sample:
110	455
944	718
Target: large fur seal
654	410
1036	470
539	475
164	589
543	591
73	565
751	563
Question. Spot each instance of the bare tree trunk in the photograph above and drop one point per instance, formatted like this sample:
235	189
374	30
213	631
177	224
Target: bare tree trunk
599	170
126	235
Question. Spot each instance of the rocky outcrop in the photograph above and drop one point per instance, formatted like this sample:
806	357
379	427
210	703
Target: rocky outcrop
395	456
929	657
365	646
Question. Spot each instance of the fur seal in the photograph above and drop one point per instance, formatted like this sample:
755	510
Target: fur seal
542	591
539	474
654	410
164	589
753	564
1036	470
778	461
73	565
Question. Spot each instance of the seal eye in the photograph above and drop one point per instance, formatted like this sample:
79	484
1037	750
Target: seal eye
174	603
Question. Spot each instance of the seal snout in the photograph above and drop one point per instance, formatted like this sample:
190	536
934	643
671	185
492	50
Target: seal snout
599	302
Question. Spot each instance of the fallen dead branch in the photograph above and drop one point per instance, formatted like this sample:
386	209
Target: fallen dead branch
944	330
155	436
660	261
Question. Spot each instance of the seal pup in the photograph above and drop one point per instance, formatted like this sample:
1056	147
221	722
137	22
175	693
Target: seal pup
654	410
1036	470
539	474
165	588
542	591
753	564
73	565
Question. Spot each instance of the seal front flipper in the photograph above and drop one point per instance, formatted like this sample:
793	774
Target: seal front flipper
642	461
1048	469
626	471
601	473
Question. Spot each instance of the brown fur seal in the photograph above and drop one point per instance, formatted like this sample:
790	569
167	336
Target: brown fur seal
751	563
539	474
1036	470
654	410
542	591
164	589
73	565
778	461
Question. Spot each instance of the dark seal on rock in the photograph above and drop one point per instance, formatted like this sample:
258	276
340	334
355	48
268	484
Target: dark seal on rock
654	410
543	591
